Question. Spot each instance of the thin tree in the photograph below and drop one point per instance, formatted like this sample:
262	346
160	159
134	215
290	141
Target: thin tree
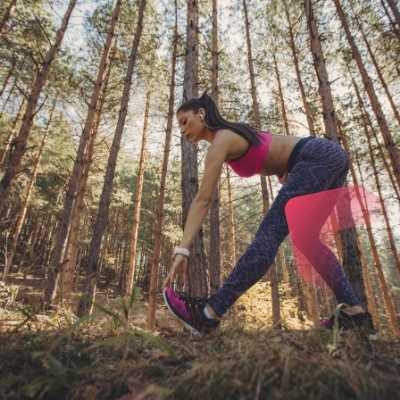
86	302
7	15
351	253
198	285
137	202
378	70
64	224
395	11
263	180
70	261
10	73
391	147
158	224
28	193
20	144
294	50
13	129
215	250
369	123
388	301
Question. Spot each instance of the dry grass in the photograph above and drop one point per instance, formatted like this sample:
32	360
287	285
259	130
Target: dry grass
56	356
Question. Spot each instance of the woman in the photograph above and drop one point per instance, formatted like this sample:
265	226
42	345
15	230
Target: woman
303	165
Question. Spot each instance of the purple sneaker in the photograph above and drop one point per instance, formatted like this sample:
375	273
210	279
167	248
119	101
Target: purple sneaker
189	310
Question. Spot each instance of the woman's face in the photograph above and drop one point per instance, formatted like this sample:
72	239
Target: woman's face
191	124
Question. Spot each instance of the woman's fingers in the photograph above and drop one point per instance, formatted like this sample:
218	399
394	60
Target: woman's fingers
179	272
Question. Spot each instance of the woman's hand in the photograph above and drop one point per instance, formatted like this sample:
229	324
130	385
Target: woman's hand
179	268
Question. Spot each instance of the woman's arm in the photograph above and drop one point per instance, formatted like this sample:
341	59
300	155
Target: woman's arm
201	203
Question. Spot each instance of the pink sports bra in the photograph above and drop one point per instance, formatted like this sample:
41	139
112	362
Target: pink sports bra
252	161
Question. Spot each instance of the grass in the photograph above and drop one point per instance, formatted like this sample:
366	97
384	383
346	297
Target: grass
111	356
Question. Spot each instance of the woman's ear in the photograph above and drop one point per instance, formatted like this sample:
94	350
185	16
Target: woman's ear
202	112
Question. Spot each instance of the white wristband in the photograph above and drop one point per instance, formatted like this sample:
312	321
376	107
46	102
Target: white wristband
182	251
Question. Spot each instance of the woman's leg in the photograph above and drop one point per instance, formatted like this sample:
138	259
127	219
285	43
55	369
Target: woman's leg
320	165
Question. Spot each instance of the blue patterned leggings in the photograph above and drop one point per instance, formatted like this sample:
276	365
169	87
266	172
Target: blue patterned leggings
316	164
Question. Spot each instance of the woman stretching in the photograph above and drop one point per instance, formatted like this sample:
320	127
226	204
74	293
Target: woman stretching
303	165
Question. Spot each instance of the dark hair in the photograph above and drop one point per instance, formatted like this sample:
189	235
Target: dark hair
215	121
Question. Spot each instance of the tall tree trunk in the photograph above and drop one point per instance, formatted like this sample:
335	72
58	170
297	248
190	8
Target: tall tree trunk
158	225
388	301
7	15
16	154
369	88
22	214
380	194
65	215
137	203
264	188
215	249
307	109
369	123
231	221
281	99
9	75
377	262
395	11
10	94
69	264
86	303
351	259
198	285
389	17
378	71
324	90
3	153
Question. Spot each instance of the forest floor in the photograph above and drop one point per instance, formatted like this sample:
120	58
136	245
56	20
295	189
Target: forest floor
112	356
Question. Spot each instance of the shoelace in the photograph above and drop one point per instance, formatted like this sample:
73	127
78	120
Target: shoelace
195	305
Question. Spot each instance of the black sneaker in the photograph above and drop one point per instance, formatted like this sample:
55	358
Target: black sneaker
360	321
189	310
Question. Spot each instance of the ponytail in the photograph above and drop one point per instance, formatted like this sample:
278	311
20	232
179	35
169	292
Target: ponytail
215	121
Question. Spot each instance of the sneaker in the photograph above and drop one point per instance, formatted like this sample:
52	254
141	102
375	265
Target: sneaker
189	310
360	321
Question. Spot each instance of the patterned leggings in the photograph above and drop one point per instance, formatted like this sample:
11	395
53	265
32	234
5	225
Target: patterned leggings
316	164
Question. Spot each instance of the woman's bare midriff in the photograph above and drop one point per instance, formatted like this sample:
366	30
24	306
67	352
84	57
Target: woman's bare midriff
279	152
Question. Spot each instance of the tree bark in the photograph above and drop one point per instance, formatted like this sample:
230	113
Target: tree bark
198	285
64	224
3	153
137	203
378	71
324	90
369	88
380	194
307	109
86	303
22	213
16	154
215	249
7	15
70	262
389	306
395	11
264	188
281	99
351	253
158	225
382	155
9	75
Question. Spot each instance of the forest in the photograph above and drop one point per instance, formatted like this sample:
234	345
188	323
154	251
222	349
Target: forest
96	183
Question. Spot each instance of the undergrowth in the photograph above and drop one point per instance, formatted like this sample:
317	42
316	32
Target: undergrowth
111	356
